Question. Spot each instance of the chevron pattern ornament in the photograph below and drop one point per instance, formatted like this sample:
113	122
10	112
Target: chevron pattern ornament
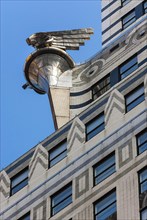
40	157
116	101
76	134
4	185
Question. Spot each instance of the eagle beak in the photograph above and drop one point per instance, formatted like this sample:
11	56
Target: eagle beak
28	41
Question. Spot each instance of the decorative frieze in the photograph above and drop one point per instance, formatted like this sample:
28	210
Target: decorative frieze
82	184
125	153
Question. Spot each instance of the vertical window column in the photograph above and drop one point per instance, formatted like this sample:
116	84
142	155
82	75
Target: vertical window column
95	126
124	2
145	7
142	142
143	193
128	19
143	214
101	87
25	217
19	181
104	169
122	71
128	67
105	208
58	153
134	98
114	76
61	199
139	10
143	180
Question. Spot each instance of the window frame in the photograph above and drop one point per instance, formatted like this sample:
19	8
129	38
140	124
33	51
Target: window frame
124	2
103	198
98	84
115	47
57	194
96	127
125	17
140	183
144	8
124	64
100	163
64	152
141	213
140	145
24	216
135	99
19	183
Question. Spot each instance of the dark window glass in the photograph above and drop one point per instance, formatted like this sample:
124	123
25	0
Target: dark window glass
95	126
142	175
106	207
128	67
128	19
114	48
104	169
142	141
61	199
143	180
134	98
101	87
124	2
19	181
57	153
143	214
25	217
145	6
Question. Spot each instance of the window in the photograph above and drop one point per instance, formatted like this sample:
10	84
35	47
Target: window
25	217
95	126
134	98
143	180
57	153
145	6
61	199
142	141
143	193
19	181
124	2
104	169
128	67
101	87
128	19
143	214
114	48
105	208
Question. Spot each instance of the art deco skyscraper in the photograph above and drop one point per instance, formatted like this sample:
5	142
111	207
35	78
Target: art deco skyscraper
94	167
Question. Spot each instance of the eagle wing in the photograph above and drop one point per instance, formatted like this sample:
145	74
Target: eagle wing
66	40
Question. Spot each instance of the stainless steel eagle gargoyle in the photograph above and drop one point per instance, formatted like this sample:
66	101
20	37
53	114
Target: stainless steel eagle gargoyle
65	40
50	65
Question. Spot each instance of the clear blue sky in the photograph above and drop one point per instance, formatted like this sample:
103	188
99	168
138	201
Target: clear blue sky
25	115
